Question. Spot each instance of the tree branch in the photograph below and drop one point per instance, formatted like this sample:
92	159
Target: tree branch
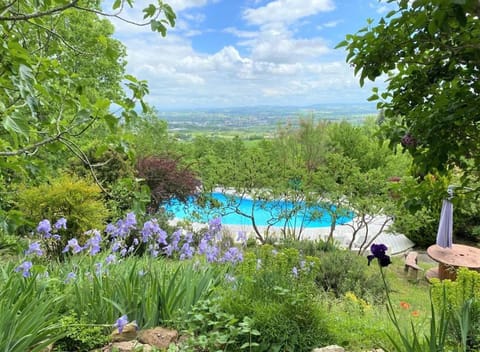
26	149
117	16
22	17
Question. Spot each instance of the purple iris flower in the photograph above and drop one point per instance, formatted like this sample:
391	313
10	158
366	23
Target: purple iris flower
120	323
61	224
34	248
25	268
379	252
72	244
44	228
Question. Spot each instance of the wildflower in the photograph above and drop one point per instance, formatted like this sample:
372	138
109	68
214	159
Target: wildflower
61	224
34	248
295	272
73	244
176	239
233	255
71	276
186	252
212	254
120	323
25	268
93	242
215	225
242	238
150	228
123	252
202	246
404	305
98	268
111	258
415	313
378	251
44	228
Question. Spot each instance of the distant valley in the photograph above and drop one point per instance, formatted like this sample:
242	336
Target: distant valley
258	120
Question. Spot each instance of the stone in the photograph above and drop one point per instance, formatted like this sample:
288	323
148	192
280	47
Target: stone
332	348
129	333
158	337
129	346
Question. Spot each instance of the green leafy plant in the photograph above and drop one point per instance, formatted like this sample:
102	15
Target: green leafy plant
75	199
211	328
28	313
80	334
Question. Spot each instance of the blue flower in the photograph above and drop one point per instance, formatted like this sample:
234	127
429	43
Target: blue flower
120	323
25	268
34	248
295	272
73	244
61	224
379	252
233	255
44	228
71	276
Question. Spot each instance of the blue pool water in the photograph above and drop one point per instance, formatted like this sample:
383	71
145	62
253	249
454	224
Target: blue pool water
266	212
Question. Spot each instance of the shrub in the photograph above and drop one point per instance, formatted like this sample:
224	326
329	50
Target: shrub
80	335
77	200
344	271
166	179
462	301
276	289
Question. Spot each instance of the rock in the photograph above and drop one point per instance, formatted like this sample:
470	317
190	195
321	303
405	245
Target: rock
332	348
158	337
129	333
129	346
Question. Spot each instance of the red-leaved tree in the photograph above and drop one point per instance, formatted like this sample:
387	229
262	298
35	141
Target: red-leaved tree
167	179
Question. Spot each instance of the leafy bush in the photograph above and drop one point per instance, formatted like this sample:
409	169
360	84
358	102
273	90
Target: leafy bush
276	289
343	271
462	302
77	200
212	329
166	179
80	335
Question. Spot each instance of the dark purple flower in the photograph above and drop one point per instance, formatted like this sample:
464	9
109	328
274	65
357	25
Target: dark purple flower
379	252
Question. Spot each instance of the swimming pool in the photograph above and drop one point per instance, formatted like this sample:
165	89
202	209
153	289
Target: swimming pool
265	212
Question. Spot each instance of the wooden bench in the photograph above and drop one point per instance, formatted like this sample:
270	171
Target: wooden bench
411	263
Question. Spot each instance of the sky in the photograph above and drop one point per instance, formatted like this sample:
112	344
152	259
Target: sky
237	53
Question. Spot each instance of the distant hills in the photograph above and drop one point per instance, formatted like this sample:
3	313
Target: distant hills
259	118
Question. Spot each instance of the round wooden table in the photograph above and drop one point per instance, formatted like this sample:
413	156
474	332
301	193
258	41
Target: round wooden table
449	259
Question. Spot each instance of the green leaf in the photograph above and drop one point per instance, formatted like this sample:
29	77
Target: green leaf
111	121
16	124
341	44
158	26
149	11
117	4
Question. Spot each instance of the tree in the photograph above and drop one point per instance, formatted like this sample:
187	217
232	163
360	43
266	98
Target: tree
167	179
50	92
61	75
431	54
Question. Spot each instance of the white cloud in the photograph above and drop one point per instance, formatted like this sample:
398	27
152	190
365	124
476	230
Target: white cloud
286	11
271	65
